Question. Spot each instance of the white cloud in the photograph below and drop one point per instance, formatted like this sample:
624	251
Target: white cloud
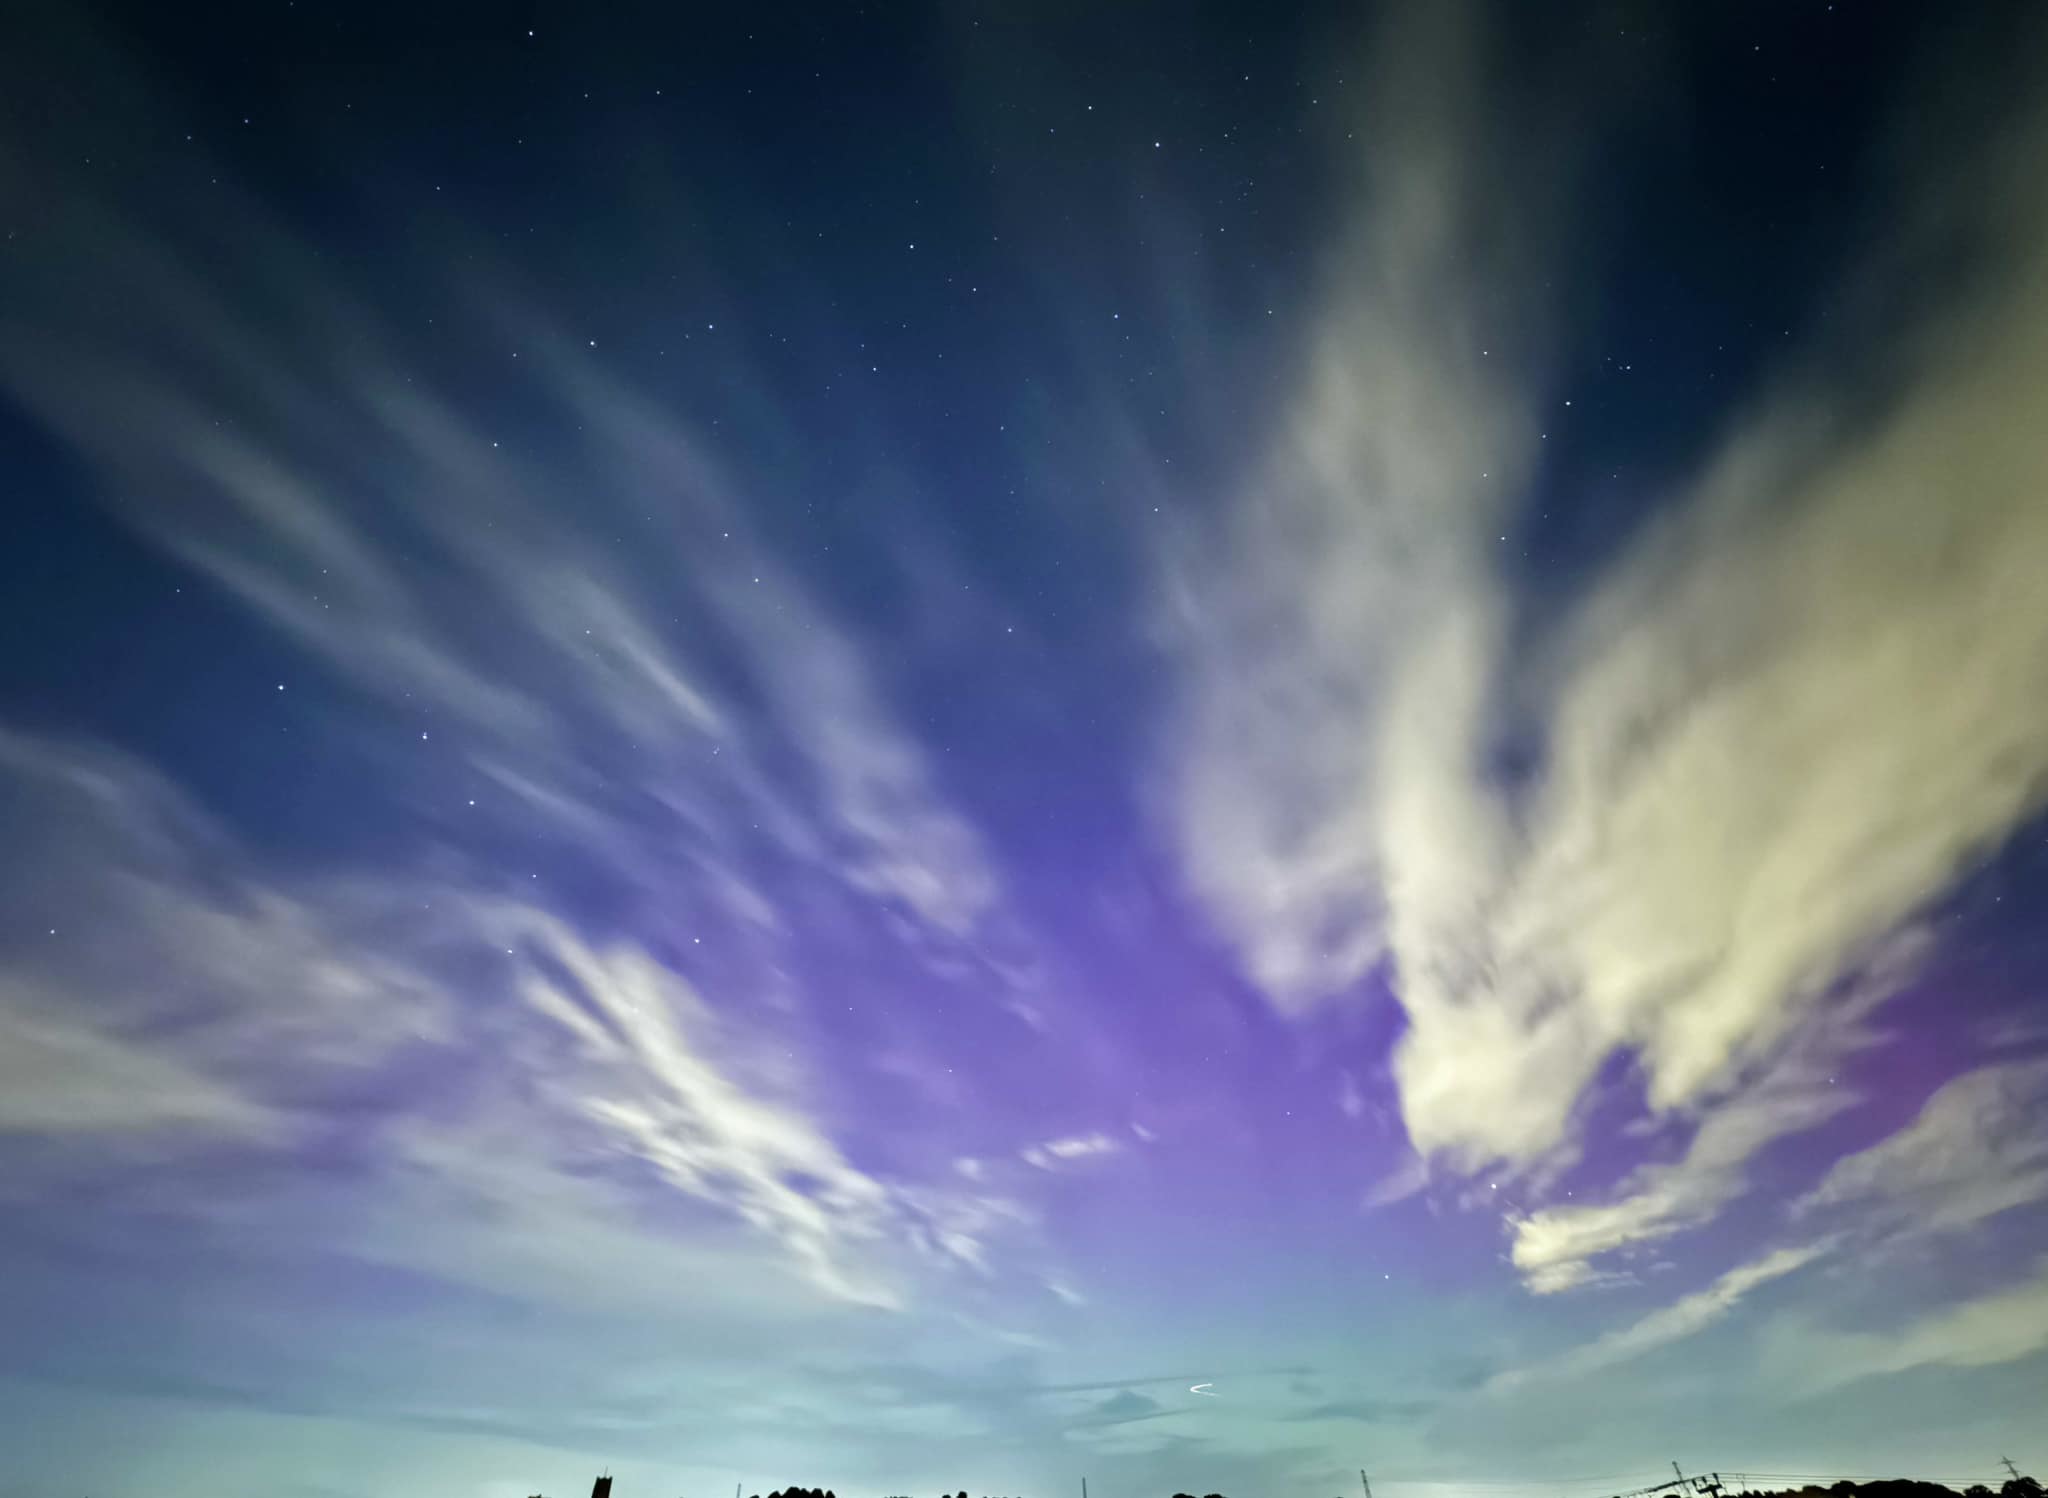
1672	1323
192	996
2002	1327
1555	1246
1410	1178
1078	1145
352	506
896	837
136	927
1790	714
1361	548
1046	1156
64	1077
647	1077
501	1198
1978	1147
688	716
1793	715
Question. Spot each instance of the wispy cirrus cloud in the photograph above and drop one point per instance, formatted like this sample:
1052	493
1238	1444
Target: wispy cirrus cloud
61	1077
1682	1318
1789	714
645	672
195	1002
2002	1326
136	927
641	1067
1559	1245
1977	1148
1050	1154
637	693
1354	573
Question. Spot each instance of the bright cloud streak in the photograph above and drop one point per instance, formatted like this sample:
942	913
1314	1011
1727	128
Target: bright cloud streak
1795	711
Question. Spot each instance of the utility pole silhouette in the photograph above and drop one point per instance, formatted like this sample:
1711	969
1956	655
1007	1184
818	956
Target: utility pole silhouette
1711	1486
1367	1481
2015	1471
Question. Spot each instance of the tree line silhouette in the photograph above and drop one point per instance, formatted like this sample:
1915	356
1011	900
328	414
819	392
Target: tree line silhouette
1900	1487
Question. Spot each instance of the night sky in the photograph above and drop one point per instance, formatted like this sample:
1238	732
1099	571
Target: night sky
829	744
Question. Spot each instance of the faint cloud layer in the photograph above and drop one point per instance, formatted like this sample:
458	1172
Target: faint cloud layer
1555	1245
1682	1318
631	681
357	509
1978	1147
1049	1155
2004	1326
198	1006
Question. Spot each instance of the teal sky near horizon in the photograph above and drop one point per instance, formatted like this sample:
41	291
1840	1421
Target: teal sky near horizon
937	747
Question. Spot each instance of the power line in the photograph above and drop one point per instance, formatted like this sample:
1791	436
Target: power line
1727	1479
1609	1484
1510	1482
